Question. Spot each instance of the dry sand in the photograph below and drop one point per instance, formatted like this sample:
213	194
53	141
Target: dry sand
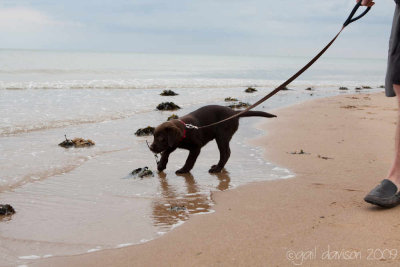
321	209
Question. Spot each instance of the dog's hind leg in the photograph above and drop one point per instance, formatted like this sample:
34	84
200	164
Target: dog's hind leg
193	154
224	153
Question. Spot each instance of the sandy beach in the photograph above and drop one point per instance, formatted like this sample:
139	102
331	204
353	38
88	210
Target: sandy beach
317	218
291	191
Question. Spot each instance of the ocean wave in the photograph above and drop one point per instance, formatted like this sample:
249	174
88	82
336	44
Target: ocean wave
52	124
58	71
165	83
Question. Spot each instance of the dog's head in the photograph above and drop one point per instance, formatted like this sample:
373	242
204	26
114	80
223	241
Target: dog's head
166	135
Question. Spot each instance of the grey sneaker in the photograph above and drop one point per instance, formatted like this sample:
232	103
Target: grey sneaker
384	195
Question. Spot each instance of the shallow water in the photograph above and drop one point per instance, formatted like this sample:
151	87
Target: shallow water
71	201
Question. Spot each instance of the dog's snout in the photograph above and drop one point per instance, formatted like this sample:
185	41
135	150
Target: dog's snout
155	148
151	147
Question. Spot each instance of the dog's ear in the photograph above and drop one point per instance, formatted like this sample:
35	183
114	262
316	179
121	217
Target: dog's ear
174	135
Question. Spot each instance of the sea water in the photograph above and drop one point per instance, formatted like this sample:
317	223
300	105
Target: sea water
72	201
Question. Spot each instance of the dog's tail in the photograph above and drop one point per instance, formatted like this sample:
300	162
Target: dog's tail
251	113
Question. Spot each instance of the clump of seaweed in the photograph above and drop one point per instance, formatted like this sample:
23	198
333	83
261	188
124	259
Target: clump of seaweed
343	88
66	143
309	89
76	142
168	106
348	107
239	105
250	90
6	209
323	157
145	131
168	93
173	117
231	99
366	87
382	86
142	172
358	88
301	152
177	208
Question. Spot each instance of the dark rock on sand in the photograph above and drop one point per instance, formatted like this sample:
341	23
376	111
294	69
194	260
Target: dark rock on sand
343	88
142	172
173	117
76	142
382	86
168	93
231	99
366	87
239	105
145	131
309	89
250	90
6	209
168	106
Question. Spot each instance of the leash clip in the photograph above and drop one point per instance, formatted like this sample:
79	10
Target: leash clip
350	19
191	126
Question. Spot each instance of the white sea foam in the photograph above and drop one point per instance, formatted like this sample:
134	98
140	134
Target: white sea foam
124	245
288	176
280	169
30	257
206	212
179	223
94	249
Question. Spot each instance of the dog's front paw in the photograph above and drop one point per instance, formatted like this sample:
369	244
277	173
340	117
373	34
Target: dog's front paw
161	167
181	171
214	169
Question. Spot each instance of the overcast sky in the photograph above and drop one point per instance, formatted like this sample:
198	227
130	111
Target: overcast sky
239	27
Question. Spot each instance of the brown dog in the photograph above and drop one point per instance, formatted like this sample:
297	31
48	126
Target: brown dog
174	134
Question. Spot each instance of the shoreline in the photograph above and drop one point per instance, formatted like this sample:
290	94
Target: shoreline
262	223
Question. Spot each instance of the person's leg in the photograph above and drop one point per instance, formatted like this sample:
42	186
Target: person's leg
394	173
386	194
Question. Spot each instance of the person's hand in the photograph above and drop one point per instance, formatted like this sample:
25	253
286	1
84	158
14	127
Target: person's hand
367	2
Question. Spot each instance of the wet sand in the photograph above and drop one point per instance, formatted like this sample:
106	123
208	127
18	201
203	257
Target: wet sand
317	218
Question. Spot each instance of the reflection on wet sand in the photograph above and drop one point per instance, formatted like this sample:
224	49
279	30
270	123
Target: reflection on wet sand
173	207
224	180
